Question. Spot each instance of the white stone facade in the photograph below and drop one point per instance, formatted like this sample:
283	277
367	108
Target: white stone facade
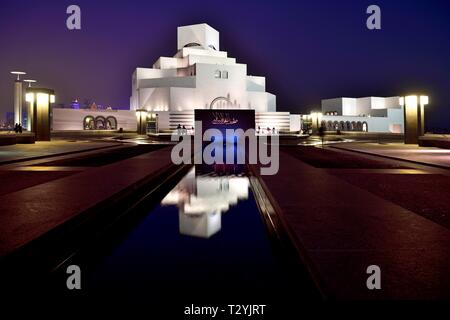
198	76
87	119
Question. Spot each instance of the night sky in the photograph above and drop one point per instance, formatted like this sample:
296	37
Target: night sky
308	50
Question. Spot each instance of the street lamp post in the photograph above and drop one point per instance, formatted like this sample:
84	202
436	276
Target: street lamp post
19	94
29	81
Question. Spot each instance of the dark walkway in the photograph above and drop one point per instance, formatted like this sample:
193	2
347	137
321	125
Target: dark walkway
342	229
29	213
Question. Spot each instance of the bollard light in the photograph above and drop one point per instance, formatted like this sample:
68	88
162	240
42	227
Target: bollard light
141	115
316	118
414	116
39	100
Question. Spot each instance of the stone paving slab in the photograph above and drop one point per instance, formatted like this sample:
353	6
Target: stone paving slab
29	213
341	229
379	171
22	152
426	155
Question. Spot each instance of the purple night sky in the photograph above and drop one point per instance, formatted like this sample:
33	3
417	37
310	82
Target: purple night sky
308	50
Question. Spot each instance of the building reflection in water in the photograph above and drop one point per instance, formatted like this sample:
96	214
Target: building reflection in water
203	198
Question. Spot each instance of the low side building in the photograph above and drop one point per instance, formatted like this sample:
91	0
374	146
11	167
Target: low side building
368	114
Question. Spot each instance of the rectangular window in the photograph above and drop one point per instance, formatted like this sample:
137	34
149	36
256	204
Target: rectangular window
224	74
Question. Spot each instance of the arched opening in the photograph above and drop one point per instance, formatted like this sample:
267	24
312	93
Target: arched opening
228	102
88	123
329	125
192	44
342	126
111	123
100	123
353	124
348	126
336	125
359	126
365	127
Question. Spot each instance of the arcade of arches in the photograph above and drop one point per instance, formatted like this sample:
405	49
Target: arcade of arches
99	123
345	125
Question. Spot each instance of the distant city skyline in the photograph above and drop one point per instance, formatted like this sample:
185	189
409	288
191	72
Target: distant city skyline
308	51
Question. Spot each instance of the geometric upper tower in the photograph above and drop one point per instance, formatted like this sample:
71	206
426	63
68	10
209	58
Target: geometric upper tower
196	76
198	35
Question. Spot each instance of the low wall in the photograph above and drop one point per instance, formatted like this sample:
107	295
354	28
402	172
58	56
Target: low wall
7	139
435	140
367	135
89	133
73	119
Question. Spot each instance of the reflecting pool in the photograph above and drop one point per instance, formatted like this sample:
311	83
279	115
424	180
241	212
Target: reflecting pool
206	241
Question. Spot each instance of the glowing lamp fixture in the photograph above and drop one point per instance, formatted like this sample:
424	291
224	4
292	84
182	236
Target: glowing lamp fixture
412	101
29	81
42	98
141	113
18	73
316	116
424	100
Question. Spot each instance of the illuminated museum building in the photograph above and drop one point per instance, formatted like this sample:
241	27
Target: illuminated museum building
200	76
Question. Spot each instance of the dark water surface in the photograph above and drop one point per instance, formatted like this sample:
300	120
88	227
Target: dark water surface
206	242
